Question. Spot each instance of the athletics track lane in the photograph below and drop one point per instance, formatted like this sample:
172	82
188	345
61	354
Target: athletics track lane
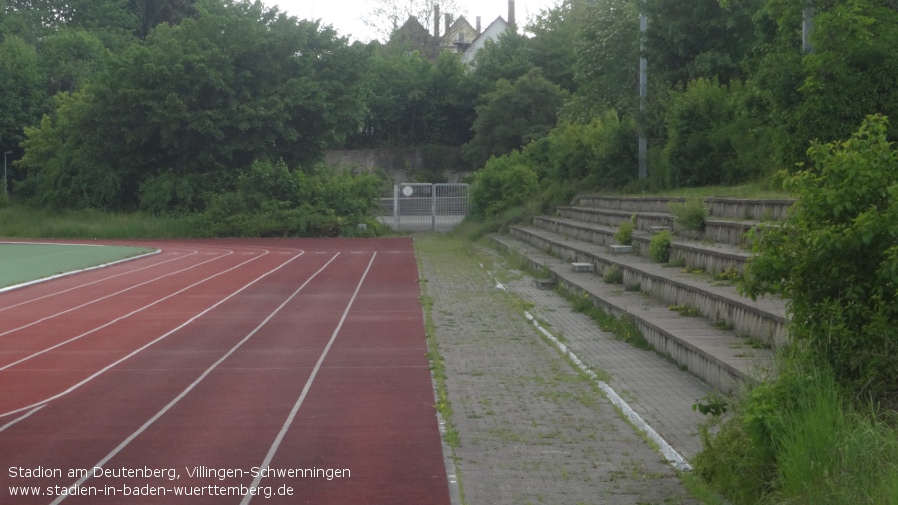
378	360
384	428
60	352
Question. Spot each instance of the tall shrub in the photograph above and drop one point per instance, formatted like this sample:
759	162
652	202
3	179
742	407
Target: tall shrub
598	154
712	138
836	258
502	184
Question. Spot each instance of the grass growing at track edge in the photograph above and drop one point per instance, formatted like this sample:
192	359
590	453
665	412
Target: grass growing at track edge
428	245
17	221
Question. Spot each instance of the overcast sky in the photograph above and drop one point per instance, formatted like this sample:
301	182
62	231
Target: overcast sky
345	15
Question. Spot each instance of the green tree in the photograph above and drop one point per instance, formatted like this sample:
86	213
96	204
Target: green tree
451	110
21	92
836	258
598	154
554	36
69	57
507	59
688	39
45	16
201	100
513	115
150	13
853	72
607	61
413	101
272	200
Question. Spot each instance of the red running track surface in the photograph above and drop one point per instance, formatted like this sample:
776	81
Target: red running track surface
190	370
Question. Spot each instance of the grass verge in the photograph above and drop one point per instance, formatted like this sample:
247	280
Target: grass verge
430	248
803	440
762	189
17	221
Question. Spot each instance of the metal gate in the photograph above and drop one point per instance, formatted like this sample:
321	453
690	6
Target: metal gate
425	207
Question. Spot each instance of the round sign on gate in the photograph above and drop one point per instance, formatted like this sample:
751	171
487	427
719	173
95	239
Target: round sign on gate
407	190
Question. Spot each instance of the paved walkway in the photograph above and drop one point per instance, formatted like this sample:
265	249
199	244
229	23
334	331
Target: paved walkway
533	429
655	388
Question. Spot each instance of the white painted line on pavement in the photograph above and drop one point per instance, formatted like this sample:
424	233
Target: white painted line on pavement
305	390
674	457
208	371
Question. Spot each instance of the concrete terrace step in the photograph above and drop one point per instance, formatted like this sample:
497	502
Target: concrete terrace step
722	231
763	319
721	208
720	357
713	258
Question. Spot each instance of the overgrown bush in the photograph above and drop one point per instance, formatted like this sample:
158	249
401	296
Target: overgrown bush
167	192
800	439
613	275
659	247
711	136
689	215
599	154
504	183
835	258
273	201
624	235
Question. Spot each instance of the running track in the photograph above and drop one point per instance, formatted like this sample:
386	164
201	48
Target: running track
224	355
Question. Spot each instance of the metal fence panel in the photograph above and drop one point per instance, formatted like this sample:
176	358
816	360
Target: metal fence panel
425	207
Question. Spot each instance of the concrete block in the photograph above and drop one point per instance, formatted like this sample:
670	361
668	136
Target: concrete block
544	283
583	267
620	249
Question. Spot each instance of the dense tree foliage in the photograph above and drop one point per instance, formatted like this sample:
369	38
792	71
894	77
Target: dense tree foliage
606	61
414	101
689	39
20	89
853	72
161	104
186	111
513	115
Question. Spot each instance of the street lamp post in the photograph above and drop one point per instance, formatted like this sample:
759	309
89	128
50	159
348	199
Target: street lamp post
5	185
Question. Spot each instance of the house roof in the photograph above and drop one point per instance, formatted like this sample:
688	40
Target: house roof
491	32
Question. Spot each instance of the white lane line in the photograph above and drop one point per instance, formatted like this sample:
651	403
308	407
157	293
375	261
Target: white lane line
95	282
129	288
199	379
158	339
20	418
120	318
305	390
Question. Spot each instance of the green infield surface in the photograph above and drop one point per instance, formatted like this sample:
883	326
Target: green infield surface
23	262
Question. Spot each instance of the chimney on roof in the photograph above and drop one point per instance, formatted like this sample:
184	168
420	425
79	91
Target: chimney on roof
436	20
511	12
478	25
448	19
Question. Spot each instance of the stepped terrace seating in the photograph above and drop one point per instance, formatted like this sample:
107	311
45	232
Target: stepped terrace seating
689	309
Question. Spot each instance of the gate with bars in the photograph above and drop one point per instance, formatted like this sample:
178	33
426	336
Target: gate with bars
425	207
